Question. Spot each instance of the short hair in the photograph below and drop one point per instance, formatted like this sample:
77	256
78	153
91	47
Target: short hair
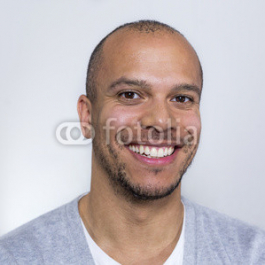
96	58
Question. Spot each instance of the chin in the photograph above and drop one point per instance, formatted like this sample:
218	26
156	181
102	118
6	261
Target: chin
143	192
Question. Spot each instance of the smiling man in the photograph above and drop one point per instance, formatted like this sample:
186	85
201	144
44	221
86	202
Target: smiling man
144	86
148	83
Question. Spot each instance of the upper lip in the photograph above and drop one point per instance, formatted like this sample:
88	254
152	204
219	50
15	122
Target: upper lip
163	144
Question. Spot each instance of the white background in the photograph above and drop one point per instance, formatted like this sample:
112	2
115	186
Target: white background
44	51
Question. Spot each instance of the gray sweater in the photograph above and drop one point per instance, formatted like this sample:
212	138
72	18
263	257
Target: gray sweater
58	238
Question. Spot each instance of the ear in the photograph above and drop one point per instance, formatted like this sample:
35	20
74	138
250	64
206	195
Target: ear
84	108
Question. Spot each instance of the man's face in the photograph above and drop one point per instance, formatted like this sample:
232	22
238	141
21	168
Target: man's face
146	115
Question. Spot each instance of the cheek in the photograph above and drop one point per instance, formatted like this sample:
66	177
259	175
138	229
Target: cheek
193	121
192	124
117	118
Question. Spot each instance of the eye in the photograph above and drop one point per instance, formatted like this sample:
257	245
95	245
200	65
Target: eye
129	95
182	99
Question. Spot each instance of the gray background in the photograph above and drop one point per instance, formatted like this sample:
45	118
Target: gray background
45	47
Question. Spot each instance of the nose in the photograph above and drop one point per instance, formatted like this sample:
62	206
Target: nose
159	116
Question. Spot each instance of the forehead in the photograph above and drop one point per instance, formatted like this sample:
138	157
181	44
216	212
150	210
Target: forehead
159	55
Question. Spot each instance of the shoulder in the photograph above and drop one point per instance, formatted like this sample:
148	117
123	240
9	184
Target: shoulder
44	238
225	237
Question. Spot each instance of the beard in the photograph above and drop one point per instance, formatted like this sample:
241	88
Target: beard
120	182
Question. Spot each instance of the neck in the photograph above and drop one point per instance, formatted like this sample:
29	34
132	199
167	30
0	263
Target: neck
138	228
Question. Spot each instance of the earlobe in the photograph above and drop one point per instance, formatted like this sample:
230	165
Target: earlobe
84	109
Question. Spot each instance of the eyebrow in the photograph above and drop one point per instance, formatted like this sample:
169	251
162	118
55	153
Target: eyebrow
143	84
130	82
188	87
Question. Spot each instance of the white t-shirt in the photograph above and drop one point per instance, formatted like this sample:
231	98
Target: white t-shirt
101	258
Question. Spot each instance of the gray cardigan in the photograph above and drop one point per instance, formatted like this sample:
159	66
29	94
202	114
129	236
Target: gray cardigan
58	238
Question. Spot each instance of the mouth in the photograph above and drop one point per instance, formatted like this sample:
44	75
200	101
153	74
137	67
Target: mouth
154	155
152	151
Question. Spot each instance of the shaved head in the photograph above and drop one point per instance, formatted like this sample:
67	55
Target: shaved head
141	27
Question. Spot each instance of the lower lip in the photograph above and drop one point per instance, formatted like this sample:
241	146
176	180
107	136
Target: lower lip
162	161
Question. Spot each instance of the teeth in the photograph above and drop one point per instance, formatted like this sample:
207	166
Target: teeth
170	151
160	152
166	151
141	149
147	150
153	152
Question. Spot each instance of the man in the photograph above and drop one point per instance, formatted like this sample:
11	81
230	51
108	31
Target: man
144	86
